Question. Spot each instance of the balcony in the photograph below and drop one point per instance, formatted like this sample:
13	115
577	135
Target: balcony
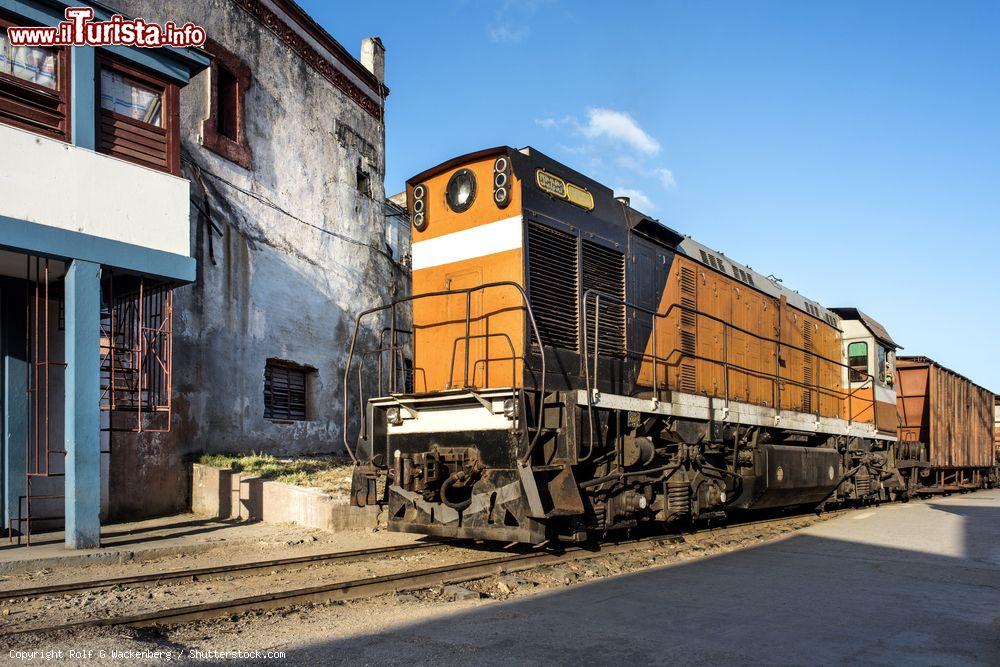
54	184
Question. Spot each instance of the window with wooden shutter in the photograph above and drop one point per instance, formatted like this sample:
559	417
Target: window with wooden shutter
137	117
285	391
34	87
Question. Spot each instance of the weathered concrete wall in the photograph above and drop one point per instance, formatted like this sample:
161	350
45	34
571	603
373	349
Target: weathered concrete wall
288	253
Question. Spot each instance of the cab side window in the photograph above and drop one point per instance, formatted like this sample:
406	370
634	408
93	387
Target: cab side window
857	360
884	366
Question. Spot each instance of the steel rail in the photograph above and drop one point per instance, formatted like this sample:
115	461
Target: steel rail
207	573
390	583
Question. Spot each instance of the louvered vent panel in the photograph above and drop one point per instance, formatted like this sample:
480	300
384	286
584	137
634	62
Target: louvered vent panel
689	342
552	276
807	369
688	284
689	383
604	271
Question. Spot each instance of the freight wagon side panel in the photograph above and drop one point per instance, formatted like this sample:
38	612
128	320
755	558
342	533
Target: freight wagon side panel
948	412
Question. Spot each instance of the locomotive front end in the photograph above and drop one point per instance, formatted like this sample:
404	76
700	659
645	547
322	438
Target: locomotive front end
452	465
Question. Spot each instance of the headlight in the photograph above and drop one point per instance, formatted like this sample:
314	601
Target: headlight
510	408
461	191
393	417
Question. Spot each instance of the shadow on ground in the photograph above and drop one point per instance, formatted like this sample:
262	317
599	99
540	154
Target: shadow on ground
831	595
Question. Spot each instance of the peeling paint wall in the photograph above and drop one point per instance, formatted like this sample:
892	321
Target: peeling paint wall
288	253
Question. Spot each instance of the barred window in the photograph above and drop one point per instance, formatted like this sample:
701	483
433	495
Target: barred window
285	390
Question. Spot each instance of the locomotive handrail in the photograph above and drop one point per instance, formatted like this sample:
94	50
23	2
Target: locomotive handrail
391	307
776	378
487	336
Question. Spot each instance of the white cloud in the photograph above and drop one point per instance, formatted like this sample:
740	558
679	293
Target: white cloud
619	126
511	20
638	198
667	179
549	123
508	34
628	162
637	150
663	175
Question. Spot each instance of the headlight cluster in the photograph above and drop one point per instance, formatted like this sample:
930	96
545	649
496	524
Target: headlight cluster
418	209
501	181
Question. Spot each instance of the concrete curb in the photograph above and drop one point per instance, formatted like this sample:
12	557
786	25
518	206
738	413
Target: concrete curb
225	494
110	555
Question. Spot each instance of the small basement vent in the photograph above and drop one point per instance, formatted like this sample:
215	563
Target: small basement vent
604	271
285	391
552	285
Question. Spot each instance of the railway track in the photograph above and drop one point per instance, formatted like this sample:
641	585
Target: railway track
352	589
219	571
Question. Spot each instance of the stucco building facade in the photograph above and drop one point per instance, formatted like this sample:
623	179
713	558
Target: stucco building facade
290	238
188	237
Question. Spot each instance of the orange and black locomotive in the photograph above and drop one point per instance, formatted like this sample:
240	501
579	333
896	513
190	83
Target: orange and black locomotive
567	365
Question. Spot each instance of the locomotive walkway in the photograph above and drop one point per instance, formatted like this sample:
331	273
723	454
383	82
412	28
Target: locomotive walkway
915	583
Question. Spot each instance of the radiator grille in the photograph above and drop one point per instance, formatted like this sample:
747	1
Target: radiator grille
807	367
689	342
688	282
689	382
688	374
604	271
552	285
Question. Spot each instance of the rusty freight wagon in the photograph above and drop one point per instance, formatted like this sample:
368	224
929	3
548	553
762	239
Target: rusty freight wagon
996	439
953	417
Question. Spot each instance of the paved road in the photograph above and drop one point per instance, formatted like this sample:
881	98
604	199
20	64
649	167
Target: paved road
915	584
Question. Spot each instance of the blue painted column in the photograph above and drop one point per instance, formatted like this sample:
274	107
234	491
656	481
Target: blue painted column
83	109
83	426
15	395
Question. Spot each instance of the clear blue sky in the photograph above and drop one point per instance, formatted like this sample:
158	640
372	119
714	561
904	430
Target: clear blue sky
851	148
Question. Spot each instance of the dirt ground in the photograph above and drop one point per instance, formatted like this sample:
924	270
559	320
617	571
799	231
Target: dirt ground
271	541
289	630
